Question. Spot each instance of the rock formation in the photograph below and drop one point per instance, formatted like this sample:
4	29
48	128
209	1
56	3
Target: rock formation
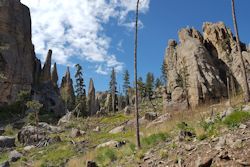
197	67
92	106
17	57
54	76
19	66
67	90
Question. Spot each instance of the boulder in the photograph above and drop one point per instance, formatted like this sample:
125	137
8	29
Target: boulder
150	116
14	156
118	129
7	142
28	148
127	110
77	133
30	135
49	128
66	118
111	143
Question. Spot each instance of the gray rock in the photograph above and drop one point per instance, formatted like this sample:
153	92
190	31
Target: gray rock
97	129
127	110
7	142
77	133
66	118
150	116
28	148
243	126
30	135
111	143
14	156
5	164
246	108
221	143
118	129
50	128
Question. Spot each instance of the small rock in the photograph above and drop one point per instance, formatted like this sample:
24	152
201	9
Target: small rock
243	162
7	142
76	133
14	156
2	131
28	148
221	143
127	110
189	147
150	116
206	162
5	164
97	129
243	126
118	129
111	143
91	164
246	108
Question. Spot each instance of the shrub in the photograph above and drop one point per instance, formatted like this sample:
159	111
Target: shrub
237	117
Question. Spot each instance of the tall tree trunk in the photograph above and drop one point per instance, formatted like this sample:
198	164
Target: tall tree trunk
138	143
243	69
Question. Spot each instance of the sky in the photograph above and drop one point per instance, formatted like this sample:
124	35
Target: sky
99	34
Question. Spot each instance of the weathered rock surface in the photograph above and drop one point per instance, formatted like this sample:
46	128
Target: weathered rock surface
54	76
92	106
198	66
5	164
18	63
67	90
7	142
118	129
17	57
14	156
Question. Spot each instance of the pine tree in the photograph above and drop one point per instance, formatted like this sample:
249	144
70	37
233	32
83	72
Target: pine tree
141	87
149	85
158	83
164	72
126	86
80	91
113	91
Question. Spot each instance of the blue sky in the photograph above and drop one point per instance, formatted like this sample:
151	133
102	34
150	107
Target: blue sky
113	36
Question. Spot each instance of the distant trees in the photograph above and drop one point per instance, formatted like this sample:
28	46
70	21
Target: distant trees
149	84
113	91
158	83
80	91
243	68
126	85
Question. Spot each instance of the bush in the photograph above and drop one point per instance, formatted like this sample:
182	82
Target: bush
237	117
154	139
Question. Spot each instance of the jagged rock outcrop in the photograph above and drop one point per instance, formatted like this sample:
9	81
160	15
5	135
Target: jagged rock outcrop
67	90
197	67
46	71
54	76
91	98
19	66
17	57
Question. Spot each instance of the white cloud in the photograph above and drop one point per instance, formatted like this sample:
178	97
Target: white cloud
74	28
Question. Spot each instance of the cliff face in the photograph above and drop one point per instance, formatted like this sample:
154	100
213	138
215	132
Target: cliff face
17	57
198	67
19	67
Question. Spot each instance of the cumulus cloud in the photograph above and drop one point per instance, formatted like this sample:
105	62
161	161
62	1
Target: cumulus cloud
74	29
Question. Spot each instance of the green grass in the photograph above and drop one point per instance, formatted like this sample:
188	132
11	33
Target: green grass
106	155
237	117
9	131
154	139
3	157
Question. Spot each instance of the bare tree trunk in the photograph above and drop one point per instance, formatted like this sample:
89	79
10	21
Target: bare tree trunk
243	69
138	143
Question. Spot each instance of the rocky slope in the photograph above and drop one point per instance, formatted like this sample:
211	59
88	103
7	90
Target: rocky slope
198	67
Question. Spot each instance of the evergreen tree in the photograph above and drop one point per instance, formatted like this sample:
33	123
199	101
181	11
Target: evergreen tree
113	91
126	86
80	91
149	85
164	72
158	83
141	87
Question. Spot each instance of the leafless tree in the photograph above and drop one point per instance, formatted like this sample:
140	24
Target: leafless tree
245	83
